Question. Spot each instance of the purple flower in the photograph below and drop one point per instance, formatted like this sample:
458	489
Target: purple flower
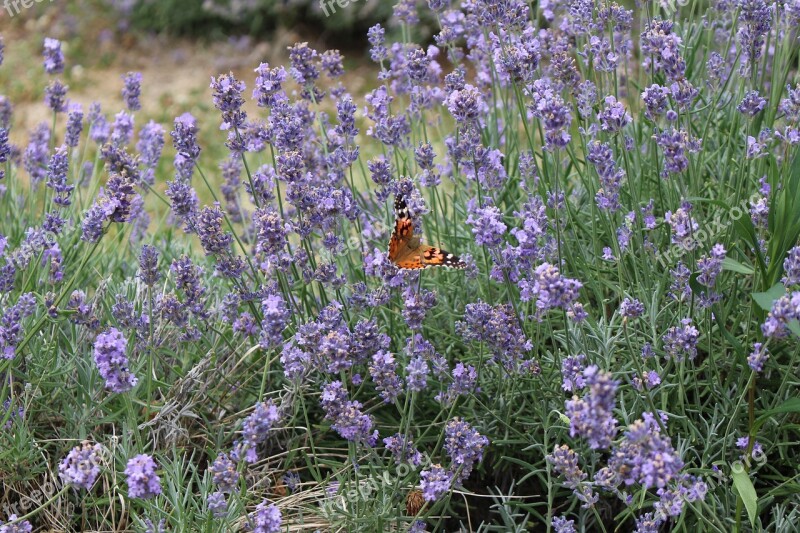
256	427
184	138
613	117
550	289
122	129
755	21
743	442
380	171
416	305
758	357
651	379
602	157
682	224
224	473
710	266
99	128
188	278
15	525
150	146
348	420
655	100
296	363
132	90
683	94
572	368
645	456
53	56
631	308
403	449
34	160
591	417
265	519
562	525
331	63
499	328
81	466
208	226
292	481
435	482
681	341
648	523
5	150
55	96
465	447
464	382
376	36
74	124
303	68
784	310
752	104
217	504
565	463
466	105
112	361
676	143
519	58
276	317
679	288
142	479
791	268
488	227
184	201
227	94
334	348
384	373
6	109
57	177
663	49
418	526
271	231
417	374
268	88
554	113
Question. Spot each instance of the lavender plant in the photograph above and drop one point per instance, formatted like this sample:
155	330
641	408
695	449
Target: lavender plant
620	352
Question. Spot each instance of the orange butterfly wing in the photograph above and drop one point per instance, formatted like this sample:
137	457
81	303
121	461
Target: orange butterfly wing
405	255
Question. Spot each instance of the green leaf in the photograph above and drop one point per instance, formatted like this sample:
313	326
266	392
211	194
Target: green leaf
792	405
736	266
766	299
747	232
746	490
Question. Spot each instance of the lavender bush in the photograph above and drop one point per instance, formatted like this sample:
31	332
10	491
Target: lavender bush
620	352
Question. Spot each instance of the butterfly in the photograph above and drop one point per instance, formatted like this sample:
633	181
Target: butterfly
407	251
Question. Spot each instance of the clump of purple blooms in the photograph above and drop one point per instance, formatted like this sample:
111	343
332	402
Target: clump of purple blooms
143	482
81	467
110	356
265	519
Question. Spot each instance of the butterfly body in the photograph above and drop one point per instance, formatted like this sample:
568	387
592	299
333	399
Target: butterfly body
406	249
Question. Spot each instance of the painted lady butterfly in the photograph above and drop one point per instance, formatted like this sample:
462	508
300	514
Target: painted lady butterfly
407	251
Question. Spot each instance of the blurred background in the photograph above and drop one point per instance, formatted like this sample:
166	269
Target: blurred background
177	45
